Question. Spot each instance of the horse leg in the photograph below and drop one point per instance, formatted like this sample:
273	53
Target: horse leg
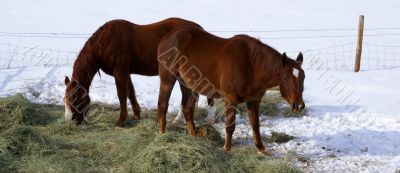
121	80
133	100
189	100
211	110
230	108
253	108
166	85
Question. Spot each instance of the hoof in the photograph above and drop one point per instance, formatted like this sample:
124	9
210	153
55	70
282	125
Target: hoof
264	153
226	149
120	124
193	134
136	117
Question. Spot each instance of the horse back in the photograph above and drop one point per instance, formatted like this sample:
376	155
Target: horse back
222	62
123	44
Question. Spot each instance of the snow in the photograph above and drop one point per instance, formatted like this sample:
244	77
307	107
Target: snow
353	121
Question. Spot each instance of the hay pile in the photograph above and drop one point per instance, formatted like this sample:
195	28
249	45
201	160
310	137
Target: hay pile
35	138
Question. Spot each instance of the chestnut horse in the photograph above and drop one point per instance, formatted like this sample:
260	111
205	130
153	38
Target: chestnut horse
119	48
239	69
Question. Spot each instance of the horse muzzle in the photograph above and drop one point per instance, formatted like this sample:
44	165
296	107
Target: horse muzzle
297	108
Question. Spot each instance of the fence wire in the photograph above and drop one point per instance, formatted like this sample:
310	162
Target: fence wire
338	57
16	56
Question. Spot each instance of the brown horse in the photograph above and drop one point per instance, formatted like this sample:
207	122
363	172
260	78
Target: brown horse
239	69
119	48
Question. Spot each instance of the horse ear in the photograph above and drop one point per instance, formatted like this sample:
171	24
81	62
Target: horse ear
284	58
299	59
67	81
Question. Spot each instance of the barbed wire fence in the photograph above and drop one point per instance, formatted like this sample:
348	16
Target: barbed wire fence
16	56
337	57
342	57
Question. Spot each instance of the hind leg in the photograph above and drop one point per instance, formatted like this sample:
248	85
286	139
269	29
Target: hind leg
180	118
121	80
189	100
133	100
167	83
211	111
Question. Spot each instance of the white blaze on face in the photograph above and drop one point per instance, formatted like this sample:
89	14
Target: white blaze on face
68	112
295	72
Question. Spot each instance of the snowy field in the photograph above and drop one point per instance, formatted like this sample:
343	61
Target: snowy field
353	122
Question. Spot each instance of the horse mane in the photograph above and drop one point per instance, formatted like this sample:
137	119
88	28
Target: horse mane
264	57
86	65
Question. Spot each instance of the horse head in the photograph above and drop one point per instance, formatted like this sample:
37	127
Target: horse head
291	82
76	101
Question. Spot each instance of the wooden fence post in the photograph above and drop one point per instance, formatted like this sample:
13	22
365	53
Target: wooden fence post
359	43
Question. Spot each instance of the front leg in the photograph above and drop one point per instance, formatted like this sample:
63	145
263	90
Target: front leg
231	109
253	108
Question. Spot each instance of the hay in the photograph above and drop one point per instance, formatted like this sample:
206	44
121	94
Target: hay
279	137
210	133
174	152
29	143
24	112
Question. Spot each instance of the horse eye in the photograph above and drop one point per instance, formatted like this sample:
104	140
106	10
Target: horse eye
284	78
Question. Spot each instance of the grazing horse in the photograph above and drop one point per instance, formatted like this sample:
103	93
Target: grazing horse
119	48
238	69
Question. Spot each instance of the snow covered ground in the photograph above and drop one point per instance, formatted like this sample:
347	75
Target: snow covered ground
353	123
336	136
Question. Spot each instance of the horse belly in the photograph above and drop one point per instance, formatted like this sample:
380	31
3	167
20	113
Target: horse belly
144	69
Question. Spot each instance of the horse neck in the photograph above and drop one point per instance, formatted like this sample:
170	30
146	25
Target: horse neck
267	64
84	71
